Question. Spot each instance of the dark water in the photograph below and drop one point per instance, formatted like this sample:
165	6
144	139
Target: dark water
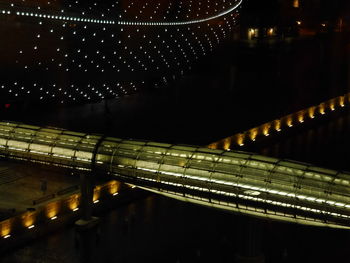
158	229
251	86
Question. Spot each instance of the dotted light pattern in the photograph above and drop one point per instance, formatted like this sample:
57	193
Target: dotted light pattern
277	126
80	51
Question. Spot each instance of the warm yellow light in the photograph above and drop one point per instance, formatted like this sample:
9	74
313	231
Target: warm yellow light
28	218
96	201
296	4
53	218
52	209
240	140
114	186
270	32
278	125
299	23
252	32
116	193
5	228
266	130
7	236
75	209
30	227
253	135
73	202
301	118
290	122
312	112
97	192
227	143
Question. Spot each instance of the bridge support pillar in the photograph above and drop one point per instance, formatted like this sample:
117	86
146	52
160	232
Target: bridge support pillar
86	236
250	238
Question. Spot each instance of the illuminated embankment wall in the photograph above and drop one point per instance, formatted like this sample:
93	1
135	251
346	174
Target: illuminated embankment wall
237	181
280	125
56	209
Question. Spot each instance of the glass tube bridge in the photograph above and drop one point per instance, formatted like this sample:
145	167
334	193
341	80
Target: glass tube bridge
241	182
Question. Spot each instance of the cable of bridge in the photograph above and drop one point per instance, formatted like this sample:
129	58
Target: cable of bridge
241	182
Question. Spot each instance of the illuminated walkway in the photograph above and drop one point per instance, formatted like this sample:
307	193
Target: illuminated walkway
237	181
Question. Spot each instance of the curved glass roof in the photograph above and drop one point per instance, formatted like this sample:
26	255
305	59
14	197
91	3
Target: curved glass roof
83	51
242	182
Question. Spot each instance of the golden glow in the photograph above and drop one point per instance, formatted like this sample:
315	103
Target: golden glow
113	187
253	134
97	192
301	117
240	139
52	209
253	32
5	228
266	130
322	109
296	4
332	106
227	143
299	23
28	218
278	125
312	112
290	122
73	202
31	226
53	218
342	101
270	31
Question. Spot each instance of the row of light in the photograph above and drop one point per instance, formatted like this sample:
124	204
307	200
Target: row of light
52	218
130	23
171	50
256	189
144	9
289	121
250	197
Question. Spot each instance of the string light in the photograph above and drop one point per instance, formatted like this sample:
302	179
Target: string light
85	52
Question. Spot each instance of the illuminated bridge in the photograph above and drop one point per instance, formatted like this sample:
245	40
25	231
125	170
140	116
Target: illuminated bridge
237	181
66	51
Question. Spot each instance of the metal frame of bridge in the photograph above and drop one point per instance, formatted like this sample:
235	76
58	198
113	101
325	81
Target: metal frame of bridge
237	181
